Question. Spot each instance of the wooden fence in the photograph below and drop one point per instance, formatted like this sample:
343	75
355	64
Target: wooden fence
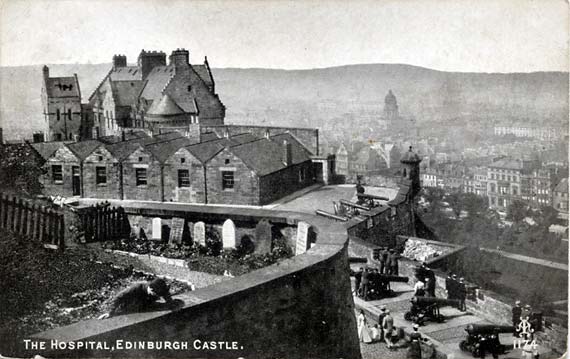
38	222
102	222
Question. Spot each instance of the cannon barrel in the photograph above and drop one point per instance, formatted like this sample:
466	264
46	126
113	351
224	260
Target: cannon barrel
434	300
354	205
474	329
371	196
330	215
392	278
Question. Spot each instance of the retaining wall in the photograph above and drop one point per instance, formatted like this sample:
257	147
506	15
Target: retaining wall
298	308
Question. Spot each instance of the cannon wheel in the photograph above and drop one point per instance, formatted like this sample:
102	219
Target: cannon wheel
440	318
463	346
408	316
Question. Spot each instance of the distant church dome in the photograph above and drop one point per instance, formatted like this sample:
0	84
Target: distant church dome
390	99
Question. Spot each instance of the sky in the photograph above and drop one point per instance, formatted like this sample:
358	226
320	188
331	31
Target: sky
458	35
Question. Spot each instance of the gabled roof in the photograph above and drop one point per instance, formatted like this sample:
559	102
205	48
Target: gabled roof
122	150
127	73
62	87
165	107
204	72
265	156
125	93
163	150
156	81
83	149
208	136
47	149
204	151
299	152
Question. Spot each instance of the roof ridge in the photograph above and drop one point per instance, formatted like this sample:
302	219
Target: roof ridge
100	84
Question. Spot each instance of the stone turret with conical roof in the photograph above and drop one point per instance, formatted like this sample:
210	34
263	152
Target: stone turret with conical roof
411	170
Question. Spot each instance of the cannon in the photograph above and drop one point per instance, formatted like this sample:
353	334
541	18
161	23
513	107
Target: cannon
380	285
484	337
427	308
354	205
368	199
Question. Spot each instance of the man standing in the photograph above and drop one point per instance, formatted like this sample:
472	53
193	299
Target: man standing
448	285
388	327
415	350
517	313
393	260
365	282
384	255
357	280
381	320
430	287
382	260
453	287
462	294
419	289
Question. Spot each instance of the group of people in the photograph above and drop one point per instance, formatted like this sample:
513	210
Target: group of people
388	260
456	289
425	284
369	284
387	332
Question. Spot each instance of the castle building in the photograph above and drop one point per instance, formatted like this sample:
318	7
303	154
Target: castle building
154	94
61	102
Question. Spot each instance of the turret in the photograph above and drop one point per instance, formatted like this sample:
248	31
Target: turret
411	169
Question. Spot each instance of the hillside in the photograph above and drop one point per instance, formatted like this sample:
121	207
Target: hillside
315	97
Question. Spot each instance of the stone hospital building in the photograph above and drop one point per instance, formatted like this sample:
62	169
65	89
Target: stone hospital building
155	131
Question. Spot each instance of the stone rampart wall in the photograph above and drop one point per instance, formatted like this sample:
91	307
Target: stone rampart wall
298	308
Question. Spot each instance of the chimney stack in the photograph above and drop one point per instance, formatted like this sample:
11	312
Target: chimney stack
287	154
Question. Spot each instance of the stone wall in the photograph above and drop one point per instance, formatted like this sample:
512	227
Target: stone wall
184	160
279	184
298	308
246	186
67	160
101	157
152	191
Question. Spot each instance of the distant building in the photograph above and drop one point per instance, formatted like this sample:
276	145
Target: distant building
61	102
505	181
367	161
391	112
342	161
538	132
560	197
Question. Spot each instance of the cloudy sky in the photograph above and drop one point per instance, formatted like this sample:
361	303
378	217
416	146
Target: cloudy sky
459	35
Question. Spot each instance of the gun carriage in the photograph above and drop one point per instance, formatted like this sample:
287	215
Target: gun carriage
427	308
484	337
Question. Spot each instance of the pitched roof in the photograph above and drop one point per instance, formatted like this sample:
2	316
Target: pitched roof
265	156
62	87
125	93
47	149
242	138
208	136
204	151
163	150
156	81
122	150
299	152
165	107
127	73
562	186
204	73
83	149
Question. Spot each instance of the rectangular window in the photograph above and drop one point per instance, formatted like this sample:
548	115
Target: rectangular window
57	173
100	175
183	178
140	174
227	180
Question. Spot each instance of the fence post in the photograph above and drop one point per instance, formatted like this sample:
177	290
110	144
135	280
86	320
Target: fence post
61	234
12	223
3	210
